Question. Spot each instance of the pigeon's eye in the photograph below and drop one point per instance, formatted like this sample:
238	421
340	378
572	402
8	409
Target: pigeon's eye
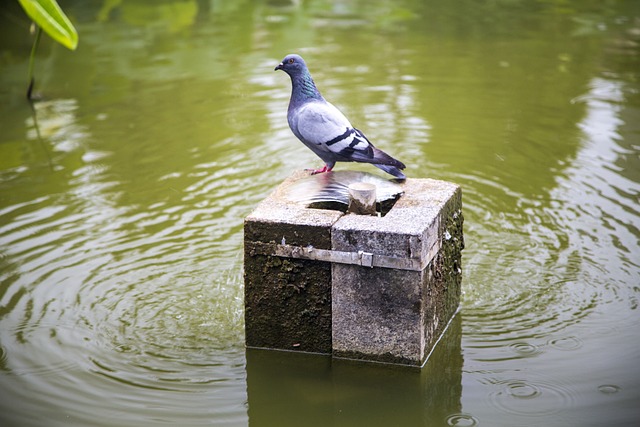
291	61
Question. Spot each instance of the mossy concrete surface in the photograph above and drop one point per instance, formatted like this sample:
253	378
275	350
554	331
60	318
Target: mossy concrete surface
287	301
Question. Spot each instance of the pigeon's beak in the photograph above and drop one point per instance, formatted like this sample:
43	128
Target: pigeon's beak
278	67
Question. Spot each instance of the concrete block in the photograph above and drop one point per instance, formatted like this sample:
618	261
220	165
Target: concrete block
375	288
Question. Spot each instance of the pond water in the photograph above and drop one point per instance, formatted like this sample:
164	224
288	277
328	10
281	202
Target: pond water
122	196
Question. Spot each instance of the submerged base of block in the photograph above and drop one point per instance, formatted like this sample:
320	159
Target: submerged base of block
327	391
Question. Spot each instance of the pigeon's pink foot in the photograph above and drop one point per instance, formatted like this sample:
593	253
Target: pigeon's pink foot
323	170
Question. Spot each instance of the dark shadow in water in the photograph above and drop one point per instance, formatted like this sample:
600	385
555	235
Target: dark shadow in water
306	389
36	126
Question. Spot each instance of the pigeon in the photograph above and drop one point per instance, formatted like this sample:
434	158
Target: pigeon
324	129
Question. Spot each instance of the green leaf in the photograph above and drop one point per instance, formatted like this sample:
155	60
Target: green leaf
48	16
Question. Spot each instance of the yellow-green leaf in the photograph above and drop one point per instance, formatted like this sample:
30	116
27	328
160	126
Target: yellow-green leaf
48	16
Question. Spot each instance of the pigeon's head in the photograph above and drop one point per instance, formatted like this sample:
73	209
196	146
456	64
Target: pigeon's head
292	64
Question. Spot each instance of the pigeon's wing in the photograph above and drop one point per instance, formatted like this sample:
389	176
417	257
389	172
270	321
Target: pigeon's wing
325	129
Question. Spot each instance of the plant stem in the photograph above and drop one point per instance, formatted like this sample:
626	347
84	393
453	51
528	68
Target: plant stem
32	61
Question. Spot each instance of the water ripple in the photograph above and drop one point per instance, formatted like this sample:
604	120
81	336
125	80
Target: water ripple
608	388
462	420
531	398
134	298
565	343
571	250
524	349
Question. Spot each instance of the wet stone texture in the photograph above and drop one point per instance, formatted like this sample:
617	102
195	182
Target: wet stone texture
287	301
351	311
397	316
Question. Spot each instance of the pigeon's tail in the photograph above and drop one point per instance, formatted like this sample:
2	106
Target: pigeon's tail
387	163
391	170
383	158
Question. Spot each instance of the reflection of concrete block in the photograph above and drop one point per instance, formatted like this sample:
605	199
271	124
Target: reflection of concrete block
363	287
284	388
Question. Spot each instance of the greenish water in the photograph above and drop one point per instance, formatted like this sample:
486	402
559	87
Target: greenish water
121	299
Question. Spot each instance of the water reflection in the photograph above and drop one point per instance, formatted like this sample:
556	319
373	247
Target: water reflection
287	389
314	190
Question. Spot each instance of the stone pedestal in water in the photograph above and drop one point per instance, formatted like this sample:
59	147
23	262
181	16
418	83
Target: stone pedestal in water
373	288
